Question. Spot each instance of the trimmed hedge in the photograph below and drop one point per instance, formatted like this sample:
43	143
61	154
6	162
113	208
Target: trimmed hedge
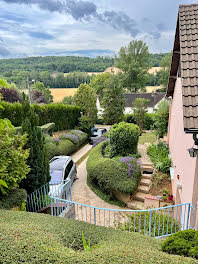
148	121
12	199
64	116
64	145
25	239
47	128
184	243
109	174
123	139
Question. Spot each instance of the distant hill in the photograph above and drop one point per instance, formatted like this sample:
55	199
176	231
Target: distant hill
64	64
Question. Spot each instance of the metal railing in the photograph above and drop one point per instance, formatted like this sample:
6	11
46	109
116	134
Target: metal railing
155	222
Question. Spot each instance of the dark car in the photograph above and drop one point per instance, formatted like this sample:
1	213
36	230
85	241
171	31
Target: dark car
96	134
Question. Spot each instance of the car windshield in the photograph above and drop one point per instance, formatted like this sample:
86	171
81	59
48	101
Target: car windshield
56	177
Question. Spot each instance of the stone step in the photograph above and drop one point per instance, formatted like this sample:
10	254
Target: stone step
145	182
143	189
146	176
147	169
136	205
139	196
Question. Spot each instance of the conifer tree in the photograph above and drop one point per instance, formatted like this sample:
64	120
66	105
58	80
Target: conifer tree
37	161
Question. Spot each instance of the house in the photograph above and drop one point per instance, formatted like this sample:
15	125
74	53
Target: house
183	119
154	100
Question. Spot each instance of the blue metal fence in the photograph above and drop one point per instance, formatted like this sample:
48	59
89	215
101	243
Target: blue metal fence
156	222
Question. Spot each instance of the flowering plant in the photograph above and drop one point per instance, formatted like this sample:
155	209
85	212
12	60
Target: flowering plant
73	138
99	140
134	167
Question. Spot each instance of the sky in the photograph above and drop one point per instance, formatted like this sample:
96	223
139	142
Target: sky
85	28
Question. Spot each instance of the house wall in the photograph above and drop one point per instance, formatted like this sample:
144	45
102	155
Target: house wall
185	167
128	110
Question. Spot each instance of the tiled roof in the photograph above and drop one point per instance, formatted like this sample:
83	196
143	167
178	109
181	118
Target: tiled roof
185	52
154	98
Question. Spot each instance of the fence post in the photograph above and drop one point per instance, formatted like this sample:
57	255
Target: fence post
150	220
51	205
188	216
94	216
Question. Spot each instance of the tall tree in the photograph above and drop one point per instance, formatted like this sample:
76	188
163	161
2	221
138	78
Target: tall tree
113	101
86	100
161	118
133	60
98	84
165	71
139	110
37	161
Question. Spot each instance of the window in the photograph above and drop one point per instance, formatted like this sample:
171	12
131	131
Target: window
68	169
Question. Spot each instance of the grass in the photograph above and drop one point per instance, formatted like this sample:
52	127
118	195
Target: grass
148	137
38	238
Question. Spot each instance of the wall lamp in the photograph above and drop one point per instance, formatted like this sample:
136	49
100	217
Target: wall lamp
192	152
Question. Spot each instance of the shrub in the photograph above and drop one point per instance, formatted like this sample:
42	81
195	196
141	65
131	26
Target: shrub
159	156
148	120
109	174
65	147
64	116
139	222
184	243
99	140
133	166
37	97
13	157
14	198
123	139
9	95
73	138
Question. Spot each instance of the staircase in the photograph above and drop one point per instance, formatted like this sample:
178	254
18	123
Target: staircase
138	199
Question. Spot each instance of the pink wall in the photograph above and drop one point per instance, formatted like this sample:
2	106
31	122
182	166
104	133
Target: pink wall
179	142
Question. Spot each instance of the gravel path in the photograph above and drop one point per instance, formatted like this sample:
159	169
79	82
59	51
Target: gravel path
142	149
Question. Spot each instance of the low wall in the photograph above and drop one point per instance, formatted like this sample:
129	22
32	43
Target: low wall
153	202
122	197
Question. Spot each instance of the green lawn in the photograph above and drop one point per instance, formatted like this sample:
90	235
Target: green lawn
149	137
38	238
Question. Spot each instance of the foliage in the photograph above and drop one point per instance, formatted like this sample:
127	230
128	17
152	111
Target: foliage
148	120
139	109
85	99
14	198
9	95
161	118
98	83
3	185
37	161
64	116
109	174
99	140
184	243
164	73
3	83
87	246
85	124
133	166
68	100
113	100
65	243
123	139
38	97
39	86
65	144
159	154
133	60
161	223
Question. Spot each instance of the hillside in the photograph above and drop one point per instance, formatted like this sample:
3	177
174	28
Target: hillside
64	64
35	238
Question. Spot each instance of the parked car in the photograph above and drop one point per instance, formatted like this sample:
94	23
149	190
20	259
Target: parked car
96	134
61	168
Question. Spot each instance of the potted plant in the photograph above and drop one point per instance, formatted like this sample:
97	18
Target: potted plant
170	197
165	194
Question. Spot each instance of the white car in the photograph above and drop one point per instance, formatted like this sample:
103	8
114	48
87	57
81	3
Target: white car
61	169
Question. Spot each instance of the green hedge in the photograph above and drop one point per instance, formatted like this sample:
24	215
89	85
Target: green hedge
64	116
12	199
61	146
25	239
148	121
109	174
159	154
184	243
